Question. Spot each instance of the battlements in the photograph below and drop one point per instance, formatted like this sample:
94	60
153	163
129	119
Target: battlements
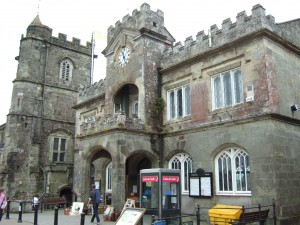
37	30
92	91
145	18
75	43
216	37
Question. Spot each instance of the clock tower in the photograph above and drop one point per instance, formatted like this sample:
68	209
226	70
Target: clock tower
133	52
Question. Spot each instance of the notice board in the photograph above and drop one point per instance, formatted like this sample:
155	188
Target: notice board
201	185
130	216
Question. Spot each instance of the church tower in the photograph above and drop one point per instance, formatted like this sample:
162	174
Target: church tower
40	128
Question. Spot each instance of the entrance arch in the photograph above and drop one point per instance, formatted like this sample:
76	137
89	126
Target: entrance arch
99	160
67	193
134	164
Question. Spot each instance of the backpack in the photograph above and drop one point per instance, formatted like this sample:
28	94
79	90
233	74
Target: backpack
98	198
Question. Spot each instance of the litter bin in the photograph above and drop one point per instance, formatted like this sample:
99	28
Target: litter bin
223	214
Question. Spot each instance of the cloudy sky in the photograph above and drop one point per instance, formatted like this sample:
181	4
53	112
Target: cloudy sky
79	18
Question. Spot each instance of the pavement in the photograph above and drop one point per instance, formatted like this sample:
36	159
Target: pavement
47	218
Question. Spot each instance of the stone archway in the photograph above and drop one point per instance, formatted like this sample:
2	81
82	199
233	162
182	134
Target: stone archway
97	169
134	164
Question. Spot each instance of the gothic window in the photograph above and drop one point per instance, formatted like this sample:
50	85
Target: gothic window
179	102
108	185
227	89
59	149
233	172
183	162
66	69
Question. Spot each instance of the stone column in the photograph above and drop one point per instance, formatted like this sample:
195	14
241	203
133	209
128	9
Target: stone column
118	185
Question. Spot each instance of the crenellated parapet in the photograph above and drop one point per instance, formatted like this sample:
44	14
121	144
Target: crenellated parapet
95	90
145	18
216	37
61	40
40	31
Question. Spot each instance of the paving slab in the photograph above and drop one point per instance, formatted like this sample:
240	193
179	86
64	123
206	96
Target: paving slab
47	218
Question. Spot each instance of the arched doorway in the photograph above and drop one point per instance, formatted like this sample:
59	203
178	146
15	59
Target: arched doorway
99	159
68	194
134	164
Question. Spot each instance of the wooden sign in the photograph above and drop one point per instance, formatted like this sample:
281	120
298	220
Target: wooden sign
130	216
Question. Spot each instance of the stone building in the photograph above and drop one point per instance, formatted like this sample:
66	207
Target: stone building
225	103
37	151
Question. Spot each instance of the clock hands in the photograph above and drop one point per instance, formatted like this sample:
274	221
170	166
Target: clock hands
123	57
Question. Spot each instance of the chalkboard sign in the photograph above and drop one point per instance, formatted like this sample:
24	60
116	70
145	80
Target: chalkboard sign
130	216
201	185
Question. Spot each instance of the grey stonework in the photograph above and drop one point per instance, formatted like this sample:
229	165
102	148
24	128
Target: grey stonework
41	110
108	129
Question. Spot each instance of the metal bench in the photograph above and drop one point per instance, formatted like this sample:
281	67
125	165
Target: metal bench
251	217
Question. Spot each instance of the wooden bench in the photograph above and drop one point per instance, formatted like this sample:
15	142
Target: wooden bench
251	217
52	201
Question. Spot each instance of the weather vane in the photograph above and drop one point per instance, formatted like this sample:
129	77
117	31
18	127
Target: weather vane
38	7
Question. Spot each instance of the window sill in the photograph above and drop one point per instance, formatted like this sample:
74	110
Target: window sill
234	195
181	119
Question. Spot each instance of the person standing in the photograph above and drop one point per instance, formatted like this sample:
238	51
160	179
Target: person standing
3	202
93	200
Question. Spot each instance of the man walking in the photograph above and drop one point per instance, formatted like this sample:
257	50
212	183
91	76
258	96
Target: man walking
95	199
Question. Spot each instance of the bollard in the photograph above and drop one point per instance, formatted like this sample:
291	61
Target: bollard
82	219
20	213
7	209
198	215
55	216
274	213
35	221
152	219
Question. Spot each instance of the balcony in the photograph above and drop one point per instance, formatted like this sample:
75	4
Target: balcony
109	122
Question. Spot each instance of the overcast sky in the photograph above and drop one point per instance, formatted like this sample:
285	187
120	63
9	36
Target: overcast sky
79	18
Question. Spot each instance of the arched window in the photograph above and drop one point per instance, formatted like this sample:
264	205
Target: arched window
108	178
183	162
66	69
233	172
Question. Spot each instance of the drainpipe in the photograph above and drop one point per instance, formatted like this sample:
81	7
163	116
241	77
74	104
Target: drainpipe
160	121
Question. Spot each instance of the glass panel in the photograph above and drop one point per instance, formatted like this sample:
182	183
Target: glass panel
55	154
170	197
176	164
172	105
62	157
149	195
247	173
217	92
230	185
55	144
179	103
187	100
227	89
238	86
63	144
221	180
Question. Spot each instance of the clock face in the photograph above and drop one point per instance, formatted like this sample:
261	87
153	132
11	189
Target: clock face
124	56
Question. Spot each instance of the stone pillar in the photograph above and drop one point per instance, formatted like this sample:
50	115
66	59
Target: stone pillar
118	185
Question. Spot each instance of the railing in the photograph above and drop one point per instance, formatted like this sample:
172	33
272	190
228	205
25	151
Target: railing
198	217
118	120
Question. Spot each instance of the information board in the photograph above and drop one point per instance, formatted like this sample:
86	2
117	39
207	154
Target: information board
130	216
201	185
